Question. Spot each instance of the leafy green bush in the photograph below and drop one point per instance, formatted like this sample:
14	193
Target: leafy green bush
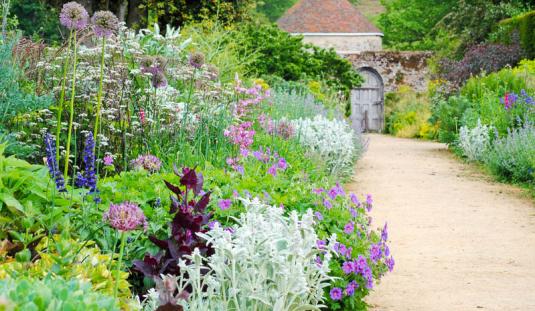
26	294
407	114
524	25
281	54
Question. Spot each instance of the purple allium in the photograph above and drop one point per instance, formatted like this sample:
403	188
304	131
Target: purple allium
336	293
327	204
318	215
105	23
282	164
73	16
224	204
107	160
272	170
147	162
196	59
384	233
349	228
348	267
390	263
126	216
158	79
375	252
355	199
50	147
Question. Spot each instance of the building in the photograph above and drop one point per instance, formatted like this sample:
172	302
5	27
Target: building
332	24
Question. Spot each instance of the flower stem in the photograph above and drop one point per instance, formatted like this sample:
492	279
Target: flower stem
119	263
62	98
71	109
99	94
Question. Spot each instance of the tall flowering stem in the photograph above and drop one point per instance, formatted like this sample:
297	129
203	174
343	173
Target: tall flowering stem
124	217
62	97
71	106
99	94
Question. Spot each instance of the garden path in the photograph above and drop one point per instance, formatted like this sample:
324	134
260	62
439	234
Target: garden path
460	240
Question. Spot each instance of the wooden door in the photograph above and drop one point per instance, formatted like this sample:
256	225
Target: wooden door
367	102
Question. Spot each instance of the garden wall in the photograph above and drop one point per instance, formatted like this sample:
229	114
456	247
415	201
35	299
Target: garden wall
396	68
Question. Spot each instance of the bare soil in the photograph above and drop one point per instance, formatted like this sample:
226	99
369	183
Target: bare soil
460	240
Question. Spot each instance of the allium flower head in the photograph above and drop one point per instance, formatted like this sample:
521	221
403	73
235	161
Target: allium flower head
125	217
73	16
196	59
147	162
158	78
336	293
105	23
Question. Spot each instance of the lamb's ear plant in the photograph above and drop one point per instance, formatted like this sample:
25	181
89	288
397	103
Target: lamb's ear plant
267	261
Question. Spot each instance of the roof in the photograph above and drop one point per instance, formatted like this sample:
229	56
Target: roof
325	16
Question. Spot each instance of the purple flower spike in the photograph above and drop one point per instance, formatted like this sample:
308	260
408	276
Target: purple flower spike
73	16
105	23
125	217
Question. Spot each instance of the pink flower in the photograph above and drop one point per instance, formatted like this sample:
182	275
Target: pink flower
125	217
224	204
241	135
108	160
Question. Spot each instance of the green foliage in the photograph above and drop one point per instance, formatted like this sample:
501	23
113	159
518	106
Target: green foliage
37	19
524	25
274	9
17	95
62	257
27	294
281	54
27	197
407	114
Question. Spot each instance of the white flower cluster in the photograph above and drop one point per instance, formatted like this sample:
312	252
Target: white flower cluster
333	140
265	262
474	142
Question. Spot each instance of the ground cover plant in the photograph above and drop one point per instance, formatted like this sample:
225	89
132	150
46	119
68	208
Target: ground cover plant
135	171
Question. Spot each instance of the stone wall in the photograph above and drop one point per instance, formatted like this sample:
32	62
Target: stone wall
396	68
346	43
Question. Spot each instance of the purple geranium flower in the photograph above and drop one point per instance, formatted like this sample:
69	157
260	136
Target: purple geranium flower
327	204
351	287
375	252
349	228
336	293
384	233
318	215
224	204
348	267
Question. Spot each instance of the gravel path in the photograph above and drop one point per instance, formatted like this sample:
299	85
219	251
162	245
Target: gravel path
460	241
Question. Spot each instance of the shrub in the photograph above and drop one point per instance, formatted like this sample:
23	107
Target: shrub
51	294
483	57
281	54
333	140
407	114
267	261
474	142
524	25
512	157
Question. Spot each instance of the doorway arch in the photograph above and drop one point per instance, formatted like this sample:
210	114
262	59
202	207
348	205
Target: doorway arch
367	102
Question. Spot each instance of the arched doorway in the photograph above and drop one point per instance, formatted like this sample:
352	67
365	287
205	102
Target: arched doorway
367	102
